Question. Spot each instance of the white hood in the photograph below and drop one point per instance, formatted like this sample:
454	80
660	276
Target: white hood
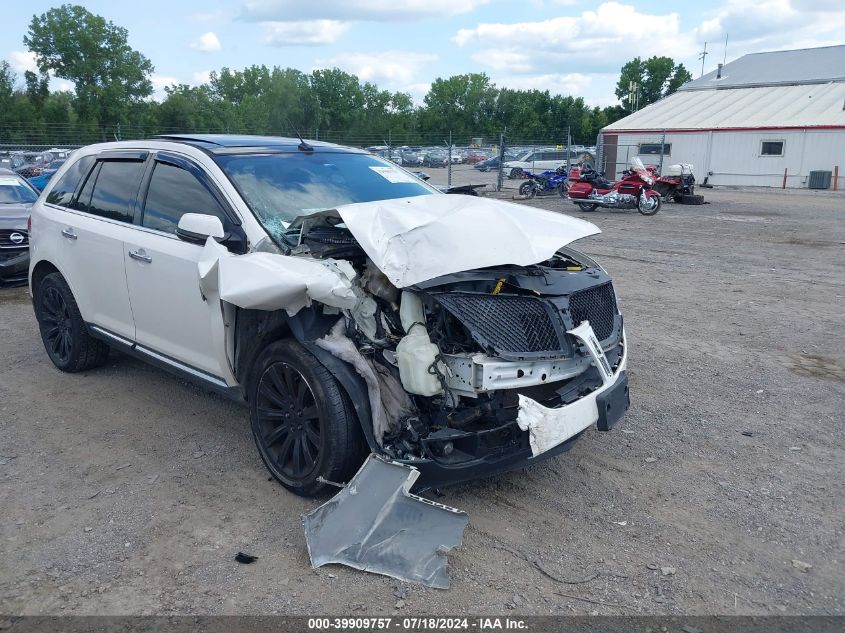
416	239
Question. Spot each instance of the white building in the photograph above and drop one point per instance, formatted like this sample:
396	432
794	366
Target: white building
747	123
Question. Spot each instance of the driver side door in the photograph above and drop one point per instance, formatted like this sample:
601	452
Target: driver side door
173	320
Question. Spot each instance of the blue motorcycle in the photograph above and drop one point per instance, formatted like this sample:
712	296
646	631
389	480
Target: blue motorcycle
551	181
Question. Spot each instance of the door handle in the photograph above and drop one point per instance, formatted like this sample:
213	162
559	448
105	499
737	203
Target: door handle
141	256
68	233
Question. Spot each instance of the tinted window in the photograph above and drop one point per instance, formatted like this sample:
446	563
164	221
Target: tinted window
772	148
62	192
83	201
174	192
115	190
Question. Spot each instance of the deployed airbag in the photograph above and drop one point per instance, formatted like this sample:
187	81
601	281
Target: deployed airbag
374	524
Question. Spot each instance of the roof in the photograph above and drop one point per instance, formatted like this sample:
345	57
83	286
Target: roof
220	143
772	107
778	68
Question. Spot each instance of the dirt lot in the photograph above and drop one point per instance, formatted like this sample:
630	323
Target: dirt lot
125	490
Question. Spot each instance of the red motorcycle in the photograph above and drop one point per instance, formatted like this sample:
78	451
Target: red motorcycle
634	191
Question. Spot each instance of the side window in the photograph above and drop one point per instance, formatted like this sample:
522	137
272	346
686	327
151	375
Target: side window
83	200
173	192
62	192
114	190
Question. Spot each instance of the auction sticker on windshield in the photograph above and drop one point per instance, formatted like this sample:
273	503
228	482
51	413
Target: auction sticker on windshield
392	175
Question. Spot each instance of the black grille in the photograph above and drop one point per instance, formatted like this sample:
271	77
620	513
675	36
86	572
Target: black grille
510	325
6	238
596	305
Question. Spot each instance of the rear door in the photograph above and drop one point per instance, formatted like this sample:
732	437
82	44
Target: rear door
172	317
87	226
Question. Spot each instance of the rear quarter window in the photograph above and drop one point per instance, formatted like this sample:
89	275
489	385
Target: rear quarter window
62	192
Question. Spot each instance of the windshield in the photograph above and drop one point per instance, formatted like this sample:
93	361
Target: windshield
636	163
13	191
280	187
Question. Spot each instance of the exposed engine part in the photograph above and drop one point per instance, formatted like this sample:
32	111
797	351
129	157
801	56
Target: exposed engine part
420	366
376	282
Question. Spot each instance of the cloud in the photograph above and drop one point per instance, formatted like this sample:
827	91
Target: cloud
555	83
207	43
21	61
612	30
309	33
353	10
201	77
511	60
160	82
392	68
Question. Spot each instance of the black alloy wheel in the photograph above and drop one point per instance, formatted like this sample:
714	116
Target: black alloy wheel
289	421
57	325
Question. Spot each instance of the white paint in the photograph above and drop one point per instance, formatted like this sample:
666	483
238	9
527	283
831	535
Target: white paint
412	240
548	428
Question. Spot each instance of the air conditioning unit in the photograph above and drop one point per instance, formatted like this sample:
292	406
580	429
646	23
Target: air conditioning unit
819	180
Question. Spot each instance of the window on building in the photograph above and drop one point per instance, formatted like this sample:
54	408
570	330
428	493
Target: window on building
771	148
655	149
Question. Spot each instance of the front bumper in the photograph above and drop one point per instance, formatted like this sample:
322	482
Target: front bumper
14	266
545	432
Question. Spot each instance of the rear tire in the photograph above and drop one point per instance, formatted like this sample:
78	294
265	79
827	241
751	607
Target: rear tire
585	206
516	173
63	331
563	189
302	421
528	190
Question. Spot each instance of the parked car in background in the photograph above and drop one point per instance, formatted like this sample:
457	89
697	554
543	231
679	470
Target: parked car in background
40	181
537	160
32	164
436	158
16	198
410	158
493	163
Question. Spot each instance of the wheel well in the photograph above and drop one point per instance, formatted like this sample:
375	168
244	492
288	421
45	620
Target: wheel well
254	331
41	270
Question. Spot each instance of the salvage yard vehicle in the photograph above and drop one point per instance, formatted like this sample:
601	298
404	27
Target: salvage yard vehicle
678	184
339	296
549	182
635	191
16	198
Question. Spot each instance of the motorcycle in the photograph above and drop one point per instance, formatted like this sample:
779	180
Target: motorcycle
550	181
678	184
634	191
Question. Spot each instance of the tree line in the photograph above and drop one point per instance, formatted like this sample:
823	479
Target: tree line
112	94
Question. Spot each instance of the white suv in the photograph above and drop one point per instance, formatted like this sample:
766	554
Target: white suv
352	306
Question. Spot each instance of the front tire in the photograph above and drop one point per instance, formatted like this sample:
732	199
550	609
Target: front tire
563	189
302	421
649	206
63	331
585	206
516	173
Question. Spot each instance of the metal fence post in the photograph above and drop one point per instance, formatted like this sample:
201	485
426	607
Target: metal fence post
568	147
499	177
449	176
662	150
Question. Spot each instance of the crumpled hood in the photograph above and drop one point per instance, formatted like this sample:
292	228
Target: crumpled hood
416	239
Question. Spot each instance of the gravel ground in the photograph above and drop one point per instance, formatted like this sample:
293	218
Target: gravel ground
127	491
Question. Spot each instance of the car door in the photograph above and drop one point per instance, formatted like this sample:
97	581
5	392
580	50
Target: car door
172	317
86	224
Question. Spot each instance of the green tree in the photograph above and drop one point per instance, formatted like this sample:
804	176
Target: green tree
108	75
656	77
464	104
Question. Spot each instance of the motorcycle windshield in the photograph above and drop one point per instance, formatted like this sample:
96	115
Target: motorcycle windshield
636	163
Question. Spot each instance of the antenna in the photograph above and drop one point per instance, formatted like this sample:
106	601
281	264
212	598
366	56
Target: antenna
701	56
303	146
725	58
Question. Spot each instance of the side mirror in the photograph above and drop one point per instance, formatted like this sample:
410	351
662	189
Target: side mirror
197	227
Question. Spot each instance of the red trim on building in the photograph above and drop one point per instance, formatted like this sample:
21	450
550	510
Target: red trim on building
727	129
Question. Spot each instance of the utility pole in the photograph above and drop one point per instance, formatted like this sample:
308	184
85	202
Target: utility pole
701	56
634	96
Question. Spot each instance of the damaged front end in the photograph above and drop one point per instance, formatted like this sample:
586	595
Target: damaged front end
461	361
480	371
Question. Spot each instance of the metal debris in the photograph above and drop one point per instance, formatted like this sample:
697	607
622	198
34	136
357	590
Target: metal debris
374	524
